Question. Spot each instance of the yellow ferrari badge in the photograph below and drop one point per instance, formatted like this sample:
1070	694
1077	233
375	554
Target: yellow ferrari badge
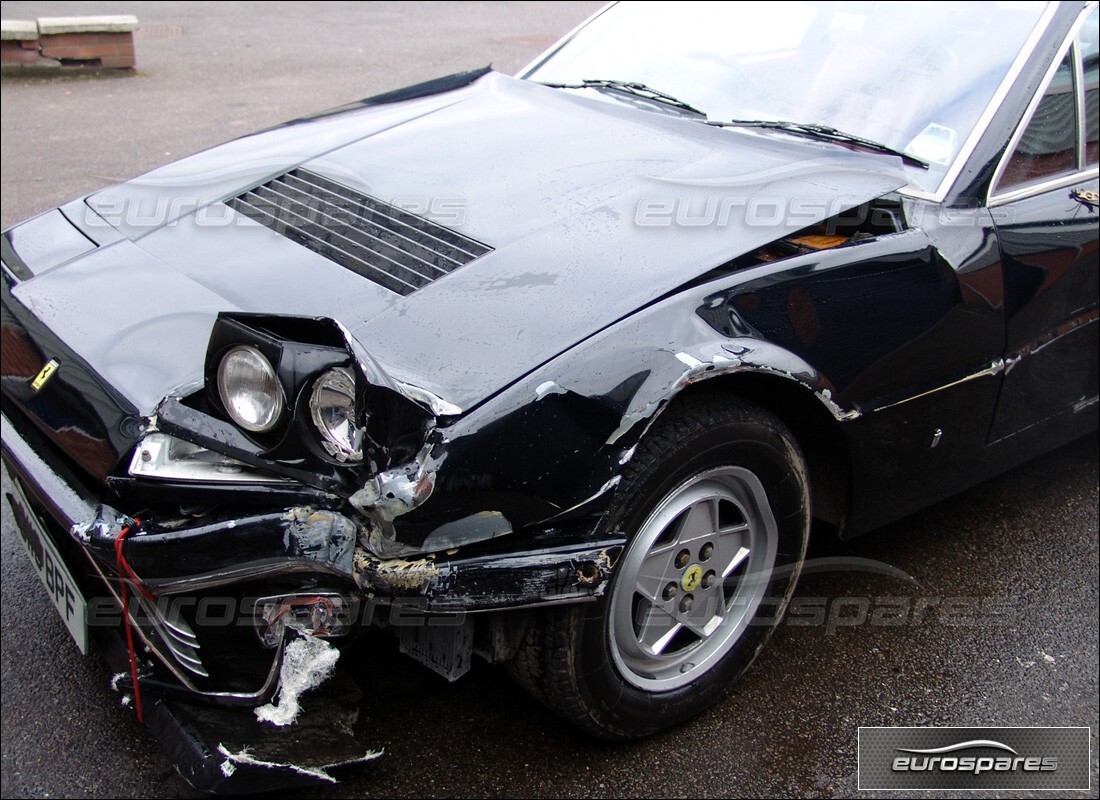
44	374
693	576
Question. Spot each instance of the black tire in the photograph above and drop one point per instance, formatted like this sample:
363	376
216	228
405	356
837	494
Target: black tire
594	664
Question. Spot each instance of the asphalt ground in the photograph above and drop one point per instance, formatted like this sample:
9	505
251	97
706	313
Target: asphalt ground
1019	554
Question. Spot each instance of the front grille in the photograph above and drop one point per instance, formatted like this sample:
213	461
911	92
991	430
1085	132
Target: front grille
398	250
168	628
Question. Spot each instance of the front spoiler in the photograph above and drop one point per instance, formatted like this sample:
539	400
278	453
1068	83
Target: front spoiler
227	751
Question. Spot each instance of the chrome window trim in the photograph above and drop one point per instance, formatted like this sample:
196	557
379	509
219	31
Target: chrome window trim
1032	189
997	198
1079	99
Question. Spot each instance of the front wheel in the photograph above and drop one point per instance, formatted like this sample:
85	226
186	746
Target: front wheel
716	507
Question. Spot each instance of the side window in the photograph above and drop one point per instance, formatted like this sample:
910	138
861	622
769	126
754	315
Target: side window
1048	146
1089	45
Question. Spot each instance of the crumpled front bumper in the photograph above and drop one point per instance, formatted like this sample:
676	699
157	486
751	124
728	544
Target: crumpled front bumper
216	748
187	577
262	552
204	682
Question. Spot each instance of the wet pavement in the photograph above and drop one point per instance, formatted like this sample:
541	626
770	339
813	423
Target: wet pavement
1000	627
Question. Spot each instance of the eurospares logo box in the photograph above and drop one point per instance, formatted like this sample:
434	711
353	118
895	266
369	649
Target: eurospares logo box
974	758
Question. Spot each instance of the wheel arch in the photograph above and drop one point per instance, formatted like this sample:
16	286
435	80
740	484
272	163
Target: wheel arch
817	431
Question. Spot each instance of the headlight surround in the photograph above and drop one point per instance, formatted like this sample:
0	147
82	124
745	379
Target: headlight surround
335	414
250	390
165	457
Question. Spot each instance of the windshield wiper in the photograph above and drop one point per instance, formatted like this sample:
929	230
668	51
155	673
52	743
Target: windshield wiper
823	133
630	87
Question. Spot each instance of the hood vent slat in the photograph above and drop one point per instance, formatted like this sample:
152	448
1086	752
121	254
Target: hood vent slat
396	249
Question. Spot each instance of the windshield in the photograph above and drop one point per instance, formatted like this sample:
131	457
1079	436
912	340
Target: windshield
913	76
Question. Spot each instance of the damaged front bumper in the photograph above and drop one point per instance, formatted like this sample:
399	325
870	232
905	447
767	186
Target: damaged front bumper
216	748
214	602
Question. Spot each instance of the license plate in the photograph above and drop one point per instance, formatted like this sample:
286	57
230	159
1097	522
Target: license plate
57	579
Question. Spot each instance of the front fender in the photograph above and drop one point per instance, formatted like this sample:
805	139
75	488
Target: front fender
552	446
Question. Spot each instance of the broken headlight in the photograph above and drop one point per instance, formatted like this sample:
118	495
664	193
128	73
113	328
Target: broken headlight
168	458
333	409
249	389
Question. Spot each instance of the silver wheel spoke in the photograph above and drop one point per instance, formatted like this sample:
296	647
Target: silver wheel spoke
699	524
706	612
656	572
656	629
739	556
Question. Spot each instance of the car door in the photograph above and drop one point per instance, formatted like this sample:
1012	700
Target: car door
1044	203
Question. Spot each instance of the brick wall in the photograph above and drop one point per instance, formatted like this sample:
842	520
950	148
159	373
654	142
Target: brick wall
15	51
109	49
101	41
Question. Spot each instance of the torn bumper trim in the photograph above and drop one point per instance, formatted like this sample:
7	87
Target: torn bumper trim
301	540
571	573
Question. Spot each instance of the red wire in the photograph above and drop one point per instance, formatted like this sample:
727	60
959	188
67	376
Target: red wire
123	570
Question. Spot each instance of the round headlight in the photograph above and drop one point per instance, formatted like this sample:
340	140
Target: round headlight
249	389
332	407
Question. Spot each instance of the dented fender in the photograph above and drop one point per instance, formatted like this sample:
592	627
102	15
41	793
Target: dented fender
552	446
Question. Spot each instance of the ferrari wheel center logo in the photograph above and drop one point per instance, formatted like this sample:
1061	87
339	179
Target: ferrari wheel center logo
693	576
44	374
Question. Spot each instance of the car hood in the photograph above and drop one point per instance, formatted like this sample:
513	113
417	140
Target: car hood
593	208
